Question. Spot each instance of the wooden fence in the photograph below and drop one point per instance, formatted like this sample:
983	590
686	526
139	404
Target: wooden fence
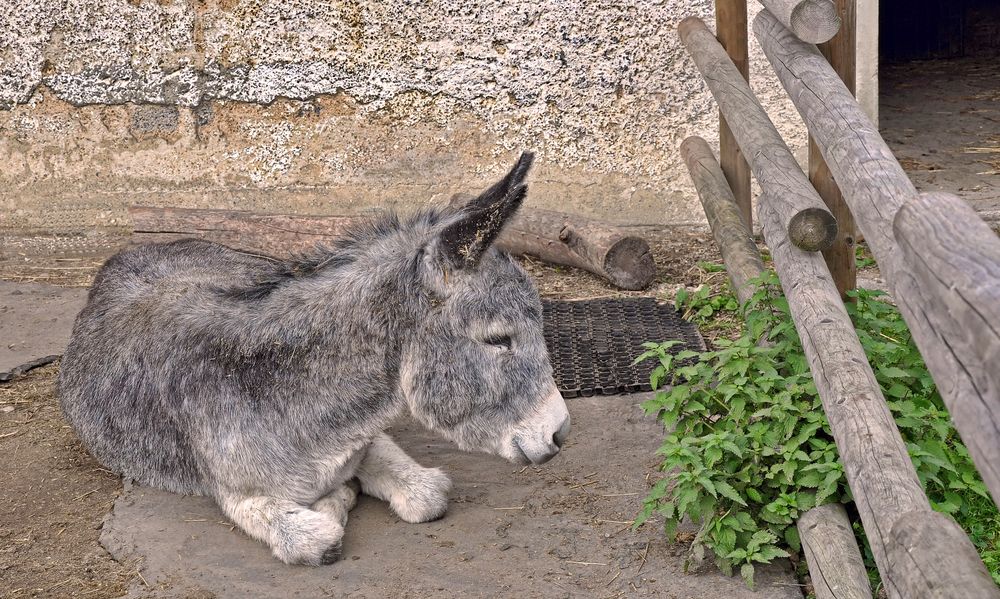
940	260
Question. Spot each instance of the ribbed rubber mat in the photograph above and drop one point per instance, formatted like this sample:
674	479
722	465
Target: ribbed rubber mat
592	343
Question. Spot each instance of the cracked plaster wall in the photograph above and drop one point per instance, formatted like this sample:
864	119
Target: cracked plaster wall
344	106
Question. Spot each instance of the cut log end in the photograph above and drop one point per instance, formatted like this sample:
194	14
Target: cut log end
629	264
812	230
815	21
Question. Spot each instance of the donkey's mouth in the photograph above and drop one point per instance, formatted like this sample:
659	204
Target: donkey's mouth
535	458
520	458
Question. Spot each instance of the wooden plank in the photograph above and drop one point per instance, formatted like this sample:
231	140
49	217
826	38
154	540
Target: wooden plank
878	468
810	225
739	252
812	21
921	546
876	188
273	234
611	252
840	257
835	565
731	30
949	281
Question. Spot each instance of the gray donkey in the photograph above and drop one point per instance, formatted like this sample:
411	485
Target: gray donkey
268	384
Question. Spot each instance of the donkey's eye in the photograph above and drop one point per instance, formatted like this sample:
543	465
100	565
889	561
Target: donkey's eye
503	341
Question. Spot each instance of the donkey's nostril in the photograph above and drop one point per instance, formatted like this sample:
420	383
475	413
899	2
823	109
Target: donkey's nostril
560	435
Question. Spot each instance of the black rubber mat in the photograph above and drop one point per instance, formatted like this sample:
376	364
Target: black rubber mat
592	343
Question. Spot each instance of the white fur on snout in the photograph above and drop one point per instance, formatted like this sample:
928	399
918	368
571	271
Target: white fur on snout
533	437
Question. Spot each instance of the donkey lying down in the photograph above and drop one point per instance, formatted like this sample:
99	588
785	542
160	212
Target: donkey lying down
268	384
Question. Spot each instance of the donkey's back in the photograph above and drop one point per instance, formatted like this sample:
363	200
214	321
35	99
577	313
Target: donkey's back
121	376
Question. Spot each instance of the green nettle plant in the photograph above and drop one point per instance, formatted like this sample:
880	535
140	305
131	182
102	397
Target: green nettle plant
749	448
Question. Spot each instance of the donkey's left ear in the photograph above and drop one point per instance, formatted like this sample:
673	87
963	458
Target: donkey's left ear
464	242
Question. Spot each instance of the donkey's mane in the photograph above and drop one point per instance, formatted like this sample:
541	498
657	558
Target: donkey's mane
342	251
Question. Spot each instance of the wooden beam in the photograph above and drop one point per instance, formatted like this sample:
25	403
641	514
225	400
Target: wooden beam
840	257
272	234
876	188
731	29
949	281
812	21
869	175
608	251
611	252
921	546
835	565
878	468
739	252
810	225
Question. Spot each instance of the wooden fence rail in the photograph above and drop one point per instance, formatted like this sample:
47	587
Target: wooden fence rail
878	468
731	232
812	21
810	224
827	537
876	188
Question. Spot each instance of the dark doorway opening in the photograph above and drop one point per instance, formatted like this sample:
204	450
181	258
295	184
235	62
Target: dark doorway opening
939	95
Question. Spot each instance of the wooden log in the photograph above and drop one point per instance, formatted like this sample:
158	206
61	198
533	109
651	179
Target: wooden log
949	283
876	188
731	31
732	235
840	53
273	234
832	554
610	252
869	176
810	225
878	468
921	545
812	21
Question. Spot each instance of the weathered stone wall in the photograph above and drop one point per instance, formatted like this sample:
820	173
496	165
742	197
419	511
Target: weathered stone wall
342	106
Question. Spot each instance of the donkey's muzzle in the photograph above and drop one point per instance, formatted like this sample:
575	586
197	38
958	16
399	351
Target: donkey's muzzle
539	454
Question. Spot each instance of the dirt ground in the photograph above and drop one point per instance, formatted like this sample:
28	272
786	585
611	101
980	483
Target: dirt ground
940	117
55	496
52	502
942	120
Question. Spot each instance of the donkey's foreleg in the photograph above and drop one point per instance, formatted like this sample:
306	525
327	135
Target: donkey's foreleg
339	502
415	493
295	533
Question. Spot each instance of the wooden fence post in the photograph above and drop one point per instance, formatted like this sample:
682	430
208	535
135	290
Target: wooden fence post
840	52
810	225
731	30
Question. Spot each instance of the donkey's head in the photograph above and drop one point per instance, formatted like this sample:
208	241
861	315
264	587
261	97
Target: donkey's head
478	372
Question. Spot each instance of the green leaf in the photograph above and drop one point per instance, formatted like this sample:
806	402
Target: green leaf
727	490
768	553
792	538
746	571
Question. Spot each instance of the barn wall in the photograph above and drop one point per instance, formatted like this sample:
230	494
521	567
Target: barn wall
347	106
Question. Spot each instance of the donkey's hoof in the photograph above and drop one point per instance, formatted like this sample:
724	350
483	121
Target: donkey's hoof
332	554
426	497
309	538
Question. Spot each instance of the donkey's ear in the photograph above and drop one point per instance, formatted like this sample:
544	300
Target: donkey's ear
464	242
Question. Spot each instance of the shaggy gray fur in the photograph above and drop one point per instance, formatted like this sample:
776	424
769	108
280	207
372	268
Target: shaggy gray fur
268	384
